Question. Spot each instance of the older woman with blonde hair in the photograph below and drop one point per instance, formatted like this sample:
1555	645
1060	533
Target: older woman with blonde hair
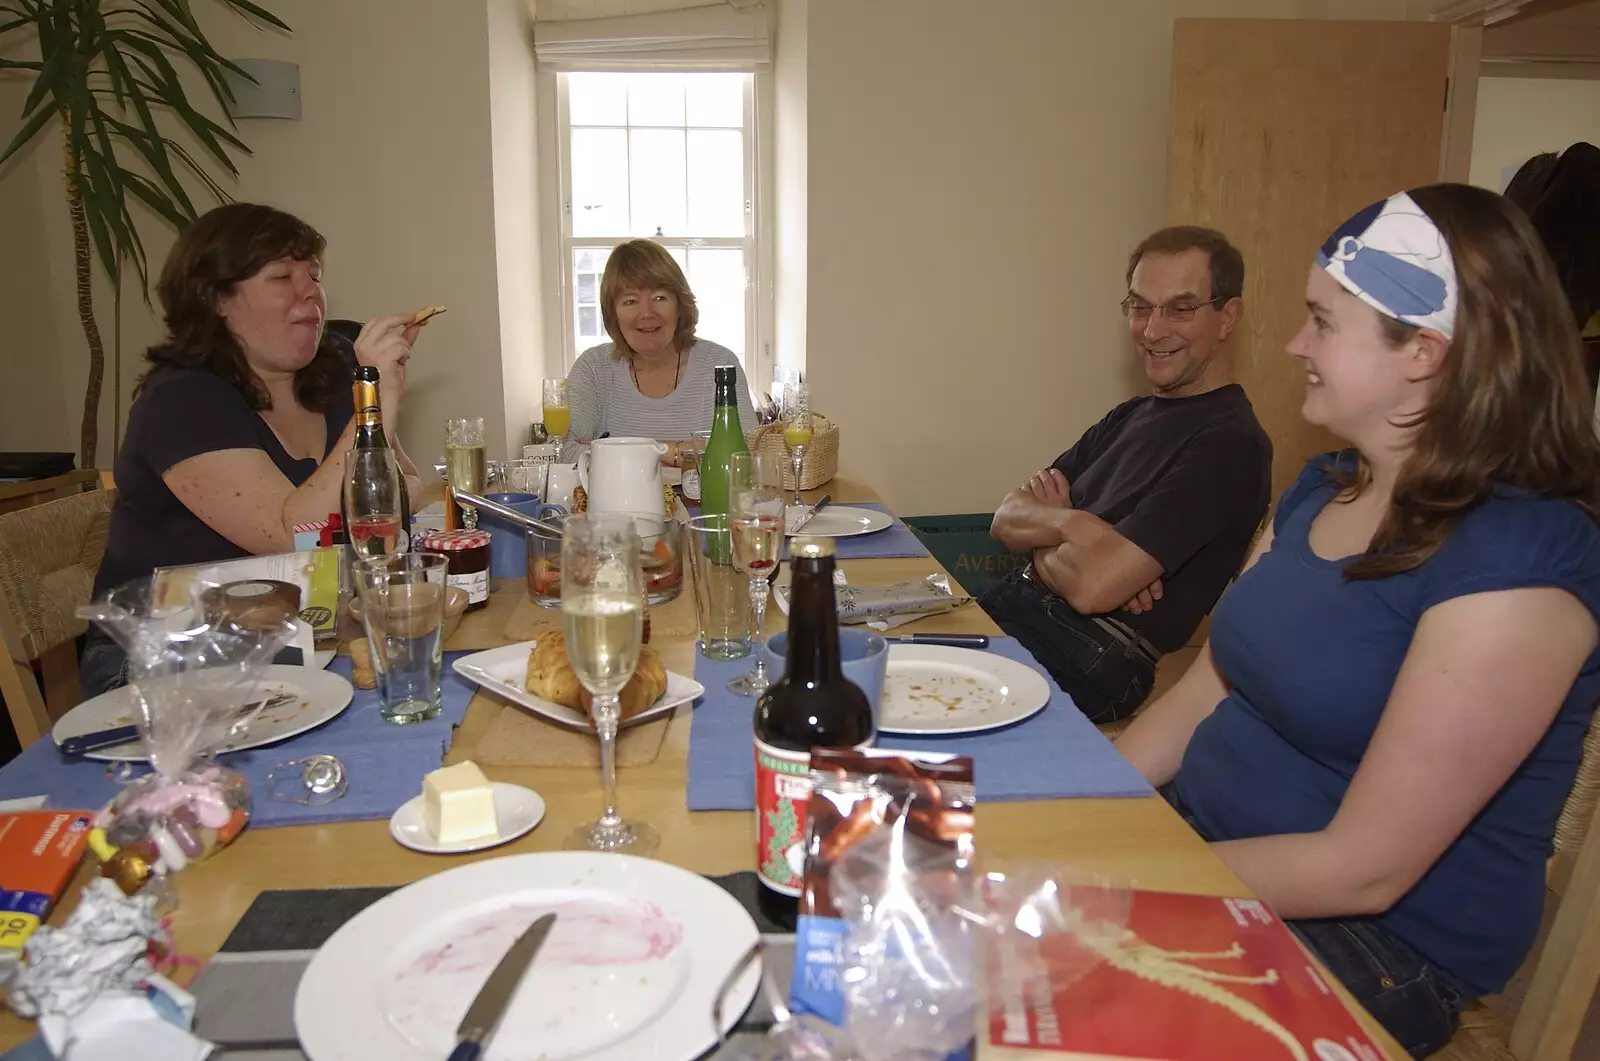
655	378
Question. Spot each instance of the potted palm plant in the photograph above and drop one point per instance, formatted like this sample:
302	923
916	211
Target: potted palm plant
108	72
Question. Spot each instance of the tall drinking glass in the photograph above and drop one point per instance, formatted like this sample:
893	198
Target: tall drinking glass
721	590
466	461
796	415
557	413
602	609
755	491
402	612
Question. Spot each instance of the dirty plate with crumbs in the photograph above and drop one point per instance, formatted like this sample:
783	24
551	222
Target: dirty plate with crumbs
934	690
322	696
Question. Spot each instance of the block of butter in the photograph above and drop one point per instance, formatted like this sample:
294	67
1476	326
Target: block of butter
458	804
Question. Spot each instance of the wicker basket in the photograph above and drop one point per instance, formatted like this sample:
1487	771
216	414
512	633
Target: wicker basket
821	462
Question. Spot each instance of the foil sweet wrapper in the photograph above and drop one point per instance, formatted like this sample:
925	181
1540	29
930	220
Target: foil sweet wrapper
915	597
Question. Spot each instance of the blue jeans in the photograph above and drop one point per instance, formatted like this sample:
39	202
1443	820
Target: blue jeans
1106	679
1395	984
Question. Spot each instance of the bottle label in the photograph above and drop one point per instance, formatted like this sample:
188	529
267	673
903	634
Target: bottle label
783	787
474	583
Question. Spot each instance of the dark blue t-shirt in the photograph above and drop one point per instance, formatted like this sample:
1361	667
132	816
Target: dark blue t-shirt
1312	657
182	413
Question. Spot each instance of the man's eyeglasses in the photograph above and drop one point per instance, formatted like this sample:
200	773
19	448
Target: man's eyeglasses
1138	309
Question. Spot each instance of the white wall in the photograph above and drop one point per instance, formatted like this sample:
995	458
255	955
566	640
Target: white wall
978	171
32	415
1522	117
392	161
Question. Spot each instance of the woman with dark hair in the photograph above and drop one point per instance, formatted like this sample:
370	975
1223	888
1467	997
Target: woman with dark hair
231	428
1382	729
655	378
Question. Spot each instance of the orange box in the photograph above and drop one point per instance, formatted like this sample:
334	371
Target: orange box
39	853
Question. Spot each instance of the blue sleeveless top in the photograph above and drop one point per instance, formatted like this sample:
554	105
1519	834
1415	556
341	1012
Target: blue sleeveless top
1312	658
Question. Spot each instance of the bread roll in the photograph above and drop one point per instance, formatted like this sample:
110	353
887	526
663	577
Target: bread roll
550	675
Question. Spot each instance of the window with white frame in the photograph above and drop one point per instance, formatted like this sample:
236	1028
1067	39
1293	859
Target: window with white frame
668	156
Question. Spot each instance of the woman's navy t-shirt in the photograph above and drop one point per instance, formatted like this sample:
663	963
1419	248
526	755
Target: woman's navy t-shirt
1312	657
182	413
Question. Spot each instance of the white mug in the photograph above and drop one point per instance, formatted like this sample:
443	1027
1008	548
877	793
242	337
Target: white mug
563	480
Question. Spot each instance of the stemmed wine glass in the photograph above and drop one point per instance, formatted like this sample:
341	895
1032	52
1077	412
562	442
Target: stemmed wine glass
466	461
755	493
602	609
796	415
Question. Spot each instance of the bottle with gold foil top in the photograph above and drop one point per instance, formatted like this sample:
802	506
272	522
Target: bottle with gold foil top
377	512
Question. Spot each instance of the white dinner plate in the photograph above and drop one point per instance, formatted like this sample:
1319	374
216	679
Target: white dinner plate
936	690
842	521
323	695
516	810
504	672
324	656
628	973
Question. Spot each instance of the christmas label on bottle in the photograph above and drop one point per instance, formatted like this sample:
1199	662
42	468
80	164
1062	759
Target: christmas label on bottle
783	786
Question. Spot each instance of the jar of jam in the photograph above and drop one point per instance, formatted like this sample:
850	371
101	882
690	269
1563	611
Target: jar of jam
468	554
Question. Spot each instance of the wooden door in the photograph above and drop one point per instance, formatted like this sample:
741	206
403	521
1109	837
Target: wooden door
1282	129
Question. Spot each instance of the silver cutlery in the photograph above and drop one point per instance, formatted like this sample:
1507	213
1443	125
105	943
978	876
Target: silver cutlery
106	738
810	513
490	1005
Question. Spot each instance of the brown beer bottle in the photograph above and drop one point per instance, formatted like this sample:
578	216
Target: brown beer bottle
812	706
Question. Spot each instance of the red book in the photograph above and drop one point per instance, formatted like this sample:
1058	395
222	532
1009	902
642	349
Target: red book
1186	978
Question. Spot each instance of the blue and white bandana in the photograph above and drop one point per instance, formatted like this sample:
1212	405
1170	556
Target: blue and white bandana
1392	257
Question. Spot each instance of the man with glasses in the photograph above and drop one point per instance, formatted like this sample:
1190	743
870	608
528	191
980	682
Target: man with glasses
1136	530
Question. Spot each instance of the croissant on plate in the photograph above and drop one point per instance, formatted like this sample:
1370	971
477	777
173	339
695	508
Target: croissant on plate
550	675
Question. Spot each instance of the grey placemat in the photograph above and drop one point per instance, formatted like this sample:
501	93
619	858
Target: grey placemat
245	994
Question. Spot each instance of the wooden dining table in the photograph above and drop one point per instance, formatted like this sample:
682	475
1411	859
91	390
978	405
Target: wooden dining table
1135	842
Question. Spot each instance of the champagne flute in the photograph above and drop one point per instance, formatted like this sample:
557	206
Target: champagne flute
557	413
797	428
602	610
466	461
755	493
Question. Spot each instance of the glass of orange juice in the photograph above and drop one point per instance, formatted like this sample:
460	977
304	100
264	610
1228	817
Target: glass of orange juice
557	413
797	428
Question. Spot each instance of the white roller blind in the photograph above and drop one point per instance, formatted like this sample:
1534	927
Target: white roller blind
717	37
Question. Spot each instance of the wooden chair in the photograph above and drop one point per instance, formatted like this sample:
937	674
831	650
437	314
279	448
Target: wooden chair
1567	965
49	555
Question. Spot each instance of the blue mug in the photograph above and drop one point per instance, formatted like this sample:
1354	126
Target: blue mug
863	656
508	546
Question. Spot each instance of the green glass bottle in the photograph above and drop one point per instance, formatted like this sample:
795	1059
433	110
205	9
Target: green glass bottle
727	438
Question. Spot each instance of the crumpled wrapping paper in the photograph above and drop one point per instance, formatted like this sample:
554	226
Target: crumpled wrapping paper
884	607
102	948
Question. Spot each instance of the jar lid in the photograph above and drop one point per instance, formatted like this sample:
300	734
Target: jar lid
454	541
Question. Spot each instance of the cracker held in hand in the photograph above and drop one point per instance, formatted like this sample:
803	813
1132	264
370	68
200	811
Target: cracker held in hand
550	675
425	314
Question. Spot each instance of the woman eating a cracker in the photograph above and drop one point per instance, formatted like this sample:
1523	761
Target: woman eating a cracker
232	428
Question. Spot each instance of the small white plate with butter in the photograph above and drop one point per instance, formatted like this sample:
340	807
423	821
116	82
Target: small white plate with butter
516	809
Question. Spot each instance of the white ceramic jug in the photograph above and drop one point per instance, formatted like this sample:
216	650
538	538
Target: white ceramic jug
623	475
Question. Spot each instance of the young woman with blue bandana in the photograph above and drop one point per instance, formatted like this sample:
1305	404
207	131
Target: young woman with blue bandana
1391	710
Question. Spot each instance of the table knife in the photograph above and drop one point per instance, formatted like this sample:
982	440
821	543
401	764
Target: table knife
490	1005
806	516
107	738
953	640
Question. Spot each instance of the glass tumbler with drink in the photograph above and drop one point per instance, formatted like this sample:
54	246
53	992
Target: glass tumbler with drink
402	612
721	590
466	461
557	413
756	489
602	611
796	416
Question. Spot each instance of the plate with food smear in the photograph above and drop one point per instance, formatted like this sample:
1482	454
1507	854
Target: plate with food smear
936	691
